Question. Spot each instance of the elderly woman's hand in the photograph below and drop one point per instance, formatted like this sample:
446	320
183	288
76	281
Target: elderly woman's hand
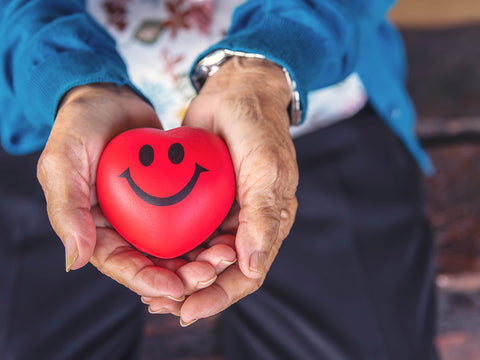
245	103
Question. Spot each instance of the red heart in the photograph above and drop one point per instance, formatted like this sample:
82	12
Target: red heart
165	191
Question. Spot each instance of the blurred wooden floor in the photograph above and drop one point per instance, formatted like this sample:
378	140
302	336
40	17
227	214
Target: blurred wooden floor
435	13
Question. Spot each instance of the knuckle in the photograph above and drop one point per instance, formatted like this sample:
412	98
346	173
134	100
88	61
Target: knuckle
257	284
48	165
45	162
293	207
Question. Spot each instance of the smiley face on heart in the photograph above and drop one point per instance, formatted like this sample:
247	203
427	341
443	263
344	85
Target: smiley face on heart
165	191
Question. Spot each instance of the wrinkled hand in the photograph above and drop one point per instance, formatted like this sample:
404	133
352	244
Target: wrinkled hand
88	118
245	103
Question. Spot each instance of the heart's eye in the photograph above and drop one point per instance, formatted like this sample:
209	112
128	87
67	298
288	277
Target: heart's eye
145	155
176	153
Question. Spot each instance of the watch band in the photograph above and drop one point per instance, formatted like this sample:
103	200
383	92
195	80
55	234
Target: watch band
210	64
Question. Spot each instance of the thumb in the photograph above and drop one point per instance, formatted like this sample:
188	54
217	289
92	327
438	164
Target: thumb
267	180
264	224
67	193
260	197
256	238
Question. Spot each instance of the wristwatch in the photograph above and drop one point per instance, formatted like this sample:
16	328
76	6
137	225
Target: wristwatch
210	64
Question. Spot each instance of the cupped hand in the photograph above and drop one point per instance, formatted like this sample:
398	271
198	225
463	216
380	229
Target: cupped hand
88	118
245	103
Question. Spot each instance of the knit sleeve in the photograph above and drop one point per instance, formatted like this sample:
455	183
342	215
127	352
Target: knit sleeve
47	48
318	42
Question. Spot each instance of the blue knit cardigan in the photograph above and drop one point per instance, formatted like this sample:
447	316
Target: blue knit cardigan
50	46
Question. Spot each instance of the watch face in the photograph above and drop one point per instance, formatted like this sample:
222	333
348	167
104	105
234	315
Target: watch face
207	67
217	57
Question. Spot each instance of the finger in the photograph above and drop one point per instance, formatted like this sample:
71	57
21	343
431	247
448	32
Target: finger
68	204
229	287
196	275
164	306
220	256
192	254
220	252
117	259
98	218
225	239
146	300
170	264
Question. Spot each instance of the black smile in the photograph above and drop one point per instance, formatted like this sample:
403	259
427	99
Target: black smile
164	201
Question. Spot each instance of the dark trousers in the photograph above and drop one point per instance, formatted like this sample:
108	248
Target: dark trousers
44	312
353	281
355	278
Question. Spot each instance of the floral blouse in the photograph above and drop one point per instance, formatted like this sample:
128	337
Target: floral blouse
160	39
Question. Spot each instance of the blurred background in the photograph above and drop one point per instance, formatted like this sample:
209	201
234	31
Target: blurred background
443	47
442	38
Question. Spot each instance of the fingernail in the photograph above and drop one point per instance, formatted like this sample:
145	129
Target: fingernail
185	324
70	256
204	284
159	311
258	262
145	300
180	299
227	263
